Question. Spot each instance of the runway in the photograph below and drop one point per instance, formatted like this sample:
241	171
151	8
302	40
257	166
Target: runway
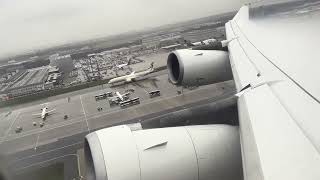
38	147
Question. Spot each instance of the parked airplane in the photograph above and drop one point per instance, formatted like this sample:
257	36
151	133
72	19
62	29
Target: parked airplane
133	76
122	97
118	98
121	66
273	58
44	113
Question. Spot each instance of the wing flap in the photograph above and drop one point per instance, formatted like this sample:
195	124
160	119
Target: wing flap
278	109
274	146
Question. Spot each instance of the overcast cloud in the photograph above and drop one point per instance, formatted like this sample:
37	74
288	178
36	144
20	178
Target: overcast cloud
32	24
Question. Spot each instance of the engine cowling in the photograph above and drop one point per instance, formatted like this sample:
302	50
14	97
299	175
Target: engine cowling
178	153
198	67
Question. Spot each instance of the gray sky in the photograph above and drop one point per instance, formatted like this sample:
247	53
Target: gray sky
32	24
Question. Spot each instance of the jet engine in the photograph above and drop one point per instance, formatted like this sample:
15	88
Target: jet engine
198	67
205	152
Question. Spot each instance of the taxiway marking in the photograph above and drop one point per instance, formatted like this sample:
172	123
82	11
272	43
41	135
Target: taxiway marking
84	113
9	129
49	151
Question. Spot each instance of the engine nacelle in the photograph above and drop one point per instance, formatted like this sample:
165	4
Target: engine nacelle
198	67
178	153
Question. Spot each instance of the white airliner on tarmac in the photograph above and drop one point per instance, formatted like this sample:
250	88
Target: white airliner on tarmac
44	113
118	98
131	77
121	66
122	97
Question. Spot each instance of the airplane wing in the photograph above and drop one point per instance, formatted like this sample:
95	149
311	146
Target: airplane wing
275	63
52	110
126	94
37	114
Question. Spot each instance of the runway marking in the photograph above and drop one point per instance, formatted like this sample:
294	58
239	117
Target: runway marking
78	162
35	164
84	112
48	129
9	129
56	149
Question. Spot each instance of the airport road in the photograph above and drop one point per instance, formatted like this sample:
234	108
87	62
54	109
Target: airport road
60	137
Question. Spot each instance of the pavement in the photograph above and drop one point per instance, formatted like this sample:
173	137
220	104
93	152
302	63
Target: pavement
60	139
22	105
